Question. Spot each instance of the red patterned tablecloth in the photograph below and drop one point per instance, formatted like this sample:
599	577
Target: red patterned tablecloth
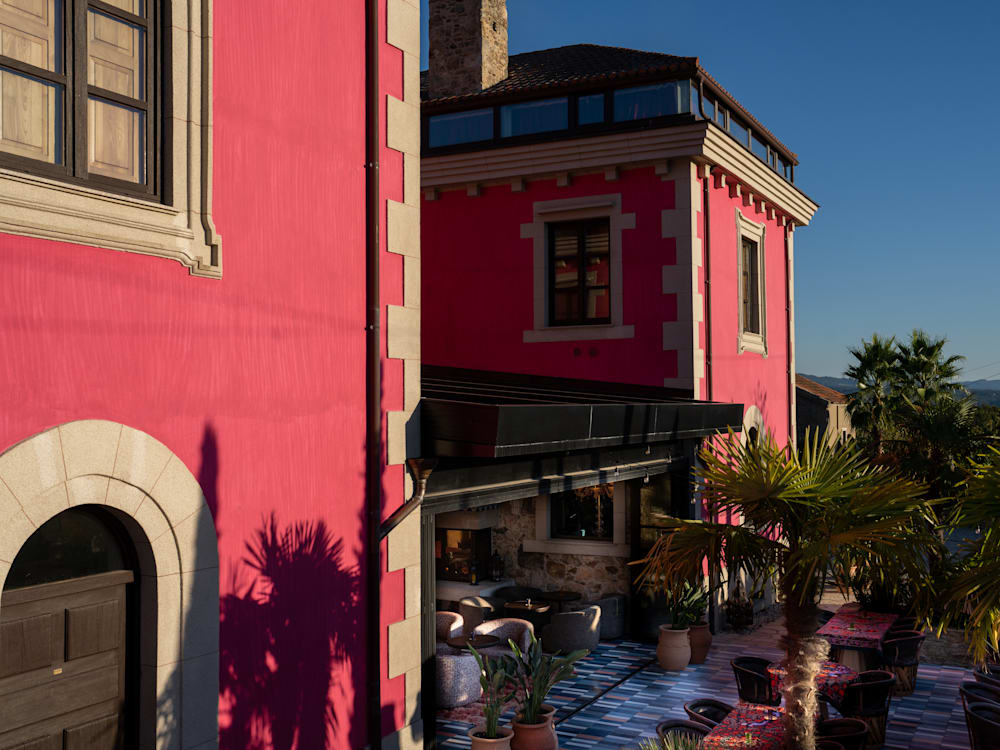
747	726
832	680
857	629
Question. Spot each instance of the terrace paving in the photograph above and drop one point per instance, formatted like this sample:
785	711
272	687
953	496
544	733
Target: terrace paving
619	694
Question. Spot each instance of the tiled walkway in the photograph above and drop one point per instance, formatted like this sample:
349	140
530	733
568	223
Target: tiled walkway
619	695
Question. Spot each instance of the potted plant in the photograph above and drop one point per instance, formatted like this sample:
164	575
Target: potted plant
671	742
673	652
700	637
497	690
537	672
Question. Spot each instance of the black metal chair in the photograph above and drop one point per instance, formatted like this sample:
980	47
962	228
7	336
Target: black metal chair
983	720
707	711
868	699
978	692
681	728
903	623
850	733
988	674
753	683
901	654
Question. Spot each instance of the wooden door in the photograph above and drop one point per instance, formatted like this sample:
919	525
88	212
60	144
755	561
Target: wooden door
62	664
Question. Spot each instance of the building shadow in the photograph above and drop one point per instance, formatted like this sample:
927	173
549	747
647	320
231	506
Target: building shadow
284	634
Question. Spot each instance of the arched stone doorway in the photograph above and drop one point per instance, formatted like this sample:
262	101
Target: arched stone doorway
140	486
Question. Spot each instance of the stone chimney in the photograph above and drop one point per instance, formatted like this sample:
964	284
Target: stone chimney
468	46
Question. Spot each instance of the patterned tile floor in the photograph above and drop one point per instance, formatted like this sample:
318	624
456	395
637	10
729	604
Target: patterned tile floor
619	695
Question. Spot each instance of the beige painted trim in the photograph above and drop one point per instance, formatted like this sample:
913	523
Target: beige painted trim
34	206
793	391
138	479
751	230
570	209
543	541
701	141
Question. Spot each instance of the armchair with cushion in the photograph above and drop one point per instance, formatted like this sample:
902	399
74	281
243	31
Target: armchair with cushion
475	609
448	625
569	631
505	628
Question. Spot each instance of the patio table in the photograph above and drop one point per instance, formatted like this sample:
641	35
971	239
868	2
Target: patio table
853	630
749	725
832	680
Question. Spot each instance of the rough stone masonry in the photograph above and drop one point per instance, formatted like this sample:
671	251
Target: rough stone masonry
468	46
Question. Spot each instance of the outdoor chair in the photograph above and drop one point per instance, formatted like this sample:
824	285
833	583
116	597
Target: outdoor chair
681	728
505	628
448	625
457	676
569	631
867	699
988	675
475	609
978	692
753	683
901	654
903	623
612	615
850	733
707	711
983	721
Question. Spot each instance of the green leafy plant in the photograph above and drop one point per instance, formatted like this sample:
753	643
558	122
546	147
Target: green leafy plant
801	515
498	689
537	672
686	605
672	742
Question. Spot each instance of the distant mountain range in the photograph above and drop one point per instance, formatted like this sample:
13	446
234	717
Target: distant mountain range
985	391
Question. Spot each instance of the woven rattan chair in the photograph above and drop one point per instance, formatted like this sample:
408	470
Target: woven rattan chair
753	683
868	699
901	654
707	711
983	720
852	734
681	728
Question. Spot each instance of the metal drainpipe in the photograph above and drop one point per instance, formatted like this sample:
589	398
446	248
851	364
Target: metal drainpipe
373	394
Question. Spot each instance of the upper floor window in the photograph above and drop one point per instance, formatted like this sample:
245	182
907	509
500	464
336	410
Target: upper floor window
579	273
655	100
460	127
586	513
78	81
539	116
752	299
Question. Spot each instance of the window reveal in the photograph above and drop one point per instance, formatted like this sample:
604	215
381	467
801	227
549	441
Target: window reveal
78	84
580	273
751	287
586	513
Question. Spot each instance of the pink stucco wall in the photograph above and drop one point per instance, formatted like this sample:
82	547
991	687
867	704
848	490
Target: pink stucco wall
478	283
257	381
748	378
478	291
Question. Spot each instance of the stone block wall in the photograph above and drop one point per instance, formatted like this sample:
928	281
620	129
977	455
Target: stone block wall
467	50
592	575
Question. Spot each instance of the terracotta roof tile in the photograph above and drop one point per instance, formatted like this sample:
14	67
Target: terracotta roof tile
821	391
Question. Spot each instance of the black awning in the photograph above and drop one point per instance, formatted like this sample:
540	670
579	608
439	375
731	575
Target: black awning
470	413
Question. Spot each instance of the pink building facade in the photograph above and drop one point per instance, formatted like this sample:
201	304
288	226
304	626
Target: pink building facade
186	344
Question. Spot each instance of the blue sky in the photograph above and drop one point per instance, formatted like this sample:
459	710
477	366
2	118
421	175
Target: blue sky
892	108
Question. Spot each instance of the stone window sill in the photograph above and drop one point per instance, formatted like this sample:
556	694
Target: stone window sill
574	547
578	333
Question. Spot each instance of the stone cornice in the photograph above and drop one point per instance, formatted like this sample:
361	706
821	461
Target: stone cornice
702	142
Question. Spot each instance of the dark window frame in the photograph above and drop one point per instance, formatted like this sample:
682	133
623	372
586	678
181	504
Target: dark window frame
582	226
77	90
572	496
750	287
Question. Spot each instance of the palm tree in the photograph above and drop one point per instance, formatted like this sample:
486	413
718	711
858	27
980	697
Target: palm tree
975	590
875	372
804	517
922	366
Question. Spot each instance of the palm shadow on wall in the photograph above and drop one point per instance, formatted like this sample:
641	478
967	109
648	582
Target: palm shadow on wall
283	636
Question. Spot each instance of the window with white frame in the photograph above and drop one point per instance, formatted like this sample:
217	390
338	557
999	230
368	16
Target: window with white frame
577	263
752	302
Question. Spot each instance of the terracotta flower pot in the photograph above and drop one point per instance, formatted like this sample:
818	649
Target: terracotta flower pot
701	641
483	743
540	736
674	649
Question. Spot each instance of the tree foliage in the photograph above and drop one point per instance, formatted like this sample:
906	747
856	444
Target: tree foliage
804	517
